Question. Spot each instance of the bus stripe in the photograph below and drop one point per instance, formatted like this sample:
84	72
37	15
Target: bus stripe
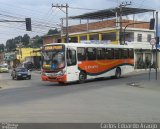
107	70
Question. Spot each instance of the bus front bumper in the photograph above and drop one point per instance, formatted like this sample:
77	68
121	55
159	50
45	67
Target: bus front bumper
54	79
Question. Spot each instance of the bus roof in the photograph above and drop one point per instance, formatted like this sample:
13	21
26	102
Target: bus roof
91	45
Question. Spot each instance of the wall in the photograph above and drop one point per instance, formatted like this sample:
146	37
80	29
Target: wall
26	52
51	39
144	35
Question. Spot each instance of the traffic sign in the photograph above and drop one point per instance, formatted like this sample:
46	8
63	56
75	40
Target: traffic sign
153	41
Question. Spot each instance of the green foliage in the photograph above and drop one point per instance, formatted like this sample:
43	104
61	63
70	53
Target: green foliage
51	31
25	40
1	47
37	41
18	39
10	45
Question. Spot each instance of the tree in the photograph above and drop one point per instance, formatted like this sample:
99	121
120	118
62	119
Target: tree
25	40
51	31
2	47
37	41
10	45
18	39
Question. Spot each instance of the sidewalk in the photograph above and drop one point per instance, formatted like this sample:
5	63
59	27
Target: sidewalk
149	83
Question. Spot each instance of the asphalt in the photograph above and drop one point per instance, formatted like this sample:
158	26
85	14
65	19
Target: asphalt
149	81
129	99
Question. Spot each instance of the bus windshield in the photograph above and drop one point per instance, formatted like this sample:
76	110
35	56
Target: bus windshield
53	57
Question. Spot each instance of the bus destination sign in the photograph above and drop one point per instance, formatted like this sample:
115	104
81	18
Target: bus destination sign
55	47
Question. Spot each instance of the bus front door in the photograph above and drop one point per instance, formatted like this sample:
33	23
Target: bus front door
72	68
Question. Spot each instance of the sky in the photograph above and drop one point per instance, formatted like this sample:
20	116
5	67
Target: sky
45	17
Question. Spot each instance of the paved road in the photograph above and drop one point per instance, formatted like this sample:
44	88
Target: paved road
132	98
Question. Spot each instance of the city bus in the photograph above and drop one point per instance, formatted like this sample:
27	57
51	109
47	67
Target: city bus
68	62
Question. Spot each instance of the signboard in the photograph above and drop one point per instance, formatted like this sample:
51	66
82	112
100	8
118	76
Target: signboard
153	41
96	41
53	47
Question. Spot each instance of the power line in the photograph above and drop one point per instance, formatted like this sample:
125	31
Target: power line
66	12
83	8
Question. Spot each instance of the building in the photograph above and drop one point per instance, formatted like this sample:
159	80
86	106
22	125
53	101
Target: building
10	58
55	38
114	30
29	55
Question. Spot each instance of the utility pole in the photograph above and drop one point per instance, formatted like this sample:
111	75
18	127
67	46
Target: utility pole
123	4
66	12
61	25
157	42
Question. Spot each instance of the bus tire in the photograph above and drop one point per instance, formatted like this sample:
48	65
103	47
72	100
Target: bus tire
118	73
82	77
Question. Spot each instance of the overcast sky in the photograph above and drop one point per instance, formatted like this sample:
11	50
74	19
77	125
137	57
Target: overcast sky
45	17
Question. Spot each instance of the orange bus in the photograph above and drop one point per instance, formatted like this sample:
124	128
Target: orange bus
67	62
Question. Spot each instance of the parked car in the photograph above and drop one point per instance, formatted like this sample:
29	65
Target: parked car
4	68
21	73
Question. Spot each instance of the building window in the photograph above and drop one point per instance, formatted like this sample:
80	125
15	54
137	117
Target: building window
83	37
109	36
94	37
149	37
129	36
139	38
73	39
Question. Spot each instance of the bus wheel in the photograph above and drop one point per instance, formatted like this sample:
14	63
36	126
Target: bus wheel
82	77
118	73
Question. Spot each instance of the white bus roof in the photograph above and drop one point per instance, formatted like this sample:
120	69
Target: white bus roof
91	45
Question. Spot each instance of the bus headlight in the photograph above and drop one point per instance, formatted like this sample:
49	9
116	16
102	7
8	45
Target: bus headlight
43	73
61	73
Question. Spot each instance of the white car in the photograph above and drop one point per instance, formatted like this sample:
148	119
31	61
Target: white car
4	68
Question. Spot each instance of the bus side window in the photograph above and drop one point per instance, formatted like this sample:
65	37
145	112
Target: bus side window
131	53
91	53
124	53
81	54
109	53
117	54
100	53
71	57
